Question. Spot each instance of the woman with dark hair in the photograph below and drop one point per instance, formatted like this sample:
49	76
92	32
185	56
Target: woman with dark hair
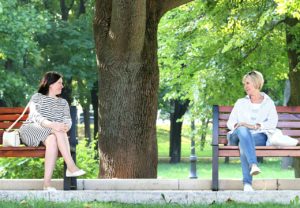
48	123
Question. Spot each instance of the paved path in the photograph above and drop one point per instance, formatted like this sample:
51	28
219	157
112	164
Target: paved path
183	191
158	196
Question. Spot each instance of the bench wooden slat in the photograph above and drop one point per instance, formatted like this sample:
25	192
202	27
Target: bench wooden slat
223	140
22	151
280	109
262	153
12	117
288	132
281	117
261	148
288	117
8	124
14	110
289	109
281	124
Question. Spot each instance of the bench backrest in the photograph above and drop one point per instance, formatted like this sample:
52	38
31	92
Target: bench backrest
10	115
288	122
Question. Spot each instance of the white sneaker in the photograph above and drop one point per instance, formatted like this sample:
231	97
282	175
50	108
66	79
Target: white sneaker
248	187
255	170
49	188
75	174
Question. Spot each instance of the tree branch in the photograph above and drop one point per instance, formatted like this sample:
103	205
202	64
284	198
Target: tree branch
167	5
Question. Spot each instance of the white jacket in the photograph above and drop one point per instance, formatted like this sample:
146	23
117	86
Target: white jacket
276	138
267	115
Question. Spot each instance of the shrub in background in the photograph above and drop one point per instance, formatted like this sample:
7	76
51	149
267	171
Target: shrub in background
12	168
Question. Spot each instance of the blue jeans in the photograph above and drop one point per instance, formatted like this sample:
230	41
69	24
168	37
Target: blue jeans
246	141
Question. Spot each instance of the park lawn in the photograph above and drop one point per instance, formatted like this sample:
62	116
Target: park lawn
163	142
271	169
47	204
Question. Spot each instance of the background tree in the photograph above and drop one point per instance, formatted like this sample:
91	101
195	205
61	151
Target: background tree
290	11
220	42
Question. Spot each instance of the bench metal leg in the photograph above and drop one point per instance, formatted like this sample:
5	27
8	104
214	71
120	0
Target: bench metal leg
215	168
70	183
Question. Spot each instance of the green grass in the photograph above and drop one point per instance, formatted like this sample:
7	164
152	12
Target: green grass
271	167
45	204
270	170
163	143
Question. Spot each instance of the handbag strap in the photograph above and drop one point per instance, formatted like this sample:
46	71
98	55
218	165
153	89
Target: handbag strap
9	128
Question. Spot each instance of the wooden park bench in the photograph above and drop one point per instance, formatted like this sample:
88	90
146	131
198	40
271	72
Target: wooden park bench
9	115
288	122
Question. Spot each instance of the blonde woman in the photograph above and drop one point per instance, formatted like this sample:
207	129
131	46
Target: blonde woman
250	119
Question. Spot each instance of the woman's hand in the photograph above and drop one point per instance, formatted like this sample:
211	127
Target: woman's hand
56	126
249	126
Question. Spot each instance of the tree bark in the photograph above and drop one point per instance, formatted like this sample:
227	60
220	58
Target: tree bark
126	46
294	72
175	130
87	123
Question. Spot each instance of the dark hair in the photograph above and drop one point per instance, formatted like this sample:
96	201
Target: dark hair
48	79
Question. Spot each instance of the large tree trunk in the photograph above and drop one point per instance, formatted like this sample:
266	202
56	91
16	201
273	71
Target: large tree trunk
294	72
175	130
126	45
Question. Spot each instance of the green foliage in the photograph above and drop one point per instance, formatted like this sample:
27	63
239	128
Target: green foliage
20	53
290	8
38	40
86	158
295	201
206	47
34	167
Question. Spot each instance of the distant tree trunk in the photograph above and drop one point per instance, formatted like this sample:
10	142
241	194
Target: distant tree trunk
175	130
87	123
292	39
81	7
95	103
67	92
204	126
64	8
286	162
2	103
126	46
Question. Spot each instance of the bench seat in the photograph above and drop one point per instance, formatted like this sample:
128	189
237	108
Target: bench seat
288	122
8	115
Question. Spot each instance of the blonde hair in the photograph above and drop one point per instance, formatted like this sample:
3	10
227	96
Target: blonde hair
256	77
